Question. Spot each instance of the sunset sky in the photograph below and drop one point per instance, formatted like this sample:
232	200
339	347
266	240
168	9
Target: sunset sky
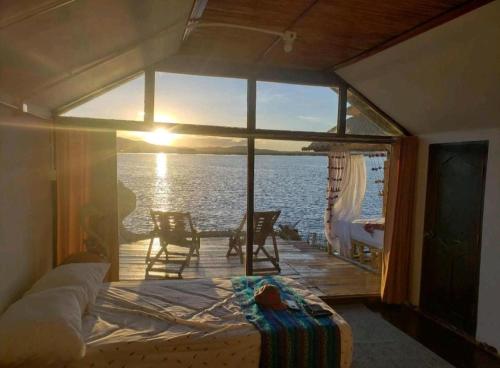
201	100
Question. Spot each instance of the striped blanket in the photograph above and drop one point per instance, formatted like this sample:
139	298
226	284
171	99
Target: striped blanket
289	338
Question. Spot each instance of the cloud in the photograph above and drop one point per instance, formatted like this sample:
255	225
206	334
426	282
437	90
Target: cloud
267	97
309	118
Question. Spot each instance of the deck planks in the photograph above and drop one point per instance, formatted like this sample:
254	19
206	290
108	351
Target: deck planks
324	274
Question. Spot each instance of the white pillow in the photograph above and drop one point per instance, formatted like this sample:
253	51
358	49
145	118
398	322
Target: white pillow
87	275
43	327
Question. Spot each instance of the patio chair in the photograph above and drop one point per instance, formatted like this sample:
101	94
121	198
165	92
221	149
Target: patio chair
174	230
237	240
263	228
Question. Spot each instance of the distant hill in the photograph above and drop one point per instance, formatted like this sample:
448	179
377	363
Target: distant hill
132	146
125	145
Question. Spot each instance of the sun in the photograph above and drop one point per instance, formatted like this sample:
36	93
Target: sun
160	137
164	118
160	117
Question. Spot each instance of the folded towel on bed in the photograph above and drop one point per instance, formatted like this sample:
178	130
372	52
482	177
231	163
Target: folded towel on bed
289	338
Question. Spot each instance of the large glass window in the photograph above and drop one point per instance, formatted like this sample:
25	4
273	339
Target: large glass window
125	102
283	106
191	99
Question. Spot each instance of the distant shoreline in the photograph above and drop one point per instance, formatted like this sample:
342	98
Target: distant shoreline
124	145
276	153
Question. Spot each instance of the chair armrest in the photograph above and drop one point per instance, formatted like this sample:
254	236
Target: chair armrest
196	234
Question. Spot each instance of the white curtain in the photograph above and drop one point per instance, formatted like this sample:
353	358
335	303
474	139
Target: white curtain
345	193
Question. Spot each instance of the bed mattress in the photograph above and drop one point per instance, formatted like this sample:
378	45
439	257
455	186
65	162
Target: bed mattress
360	234
182	323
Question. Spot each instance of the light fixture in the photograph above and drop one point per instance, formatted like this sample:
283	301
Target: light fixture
288	40
288	37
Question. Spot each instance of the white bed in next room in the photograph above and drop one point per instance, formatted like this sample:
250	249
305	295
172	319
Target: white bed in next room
374	238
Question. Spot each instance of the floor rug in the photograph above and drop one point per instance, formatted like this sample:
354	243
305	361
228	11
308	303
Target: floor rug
379	344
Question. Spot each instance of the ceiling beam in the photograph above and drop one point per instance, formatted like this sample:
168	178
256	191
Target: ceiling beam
189	65
31	13
420	28
27	108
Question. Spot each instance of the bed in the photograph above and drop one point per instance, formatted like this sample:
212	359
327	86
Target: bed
178	323
358	233
124	327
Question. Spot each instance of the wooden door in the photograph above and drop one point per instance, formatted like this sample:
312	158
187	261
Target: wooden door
452	232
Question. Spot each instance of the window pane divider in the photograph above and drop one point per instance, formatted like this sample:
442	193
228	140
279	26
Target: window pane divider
251	113
149	96
211	130
342	112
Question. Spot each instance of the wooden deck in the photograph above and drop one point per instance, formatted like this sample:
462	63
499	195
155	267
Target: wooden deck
325	274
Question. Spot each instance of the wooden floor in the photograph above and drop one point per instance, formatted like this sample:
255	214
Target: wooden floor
324	274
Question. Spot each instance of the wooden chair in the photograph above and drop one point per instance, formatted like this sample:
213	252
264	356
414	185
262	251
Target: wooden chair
173	229
263	228
263	223
237	239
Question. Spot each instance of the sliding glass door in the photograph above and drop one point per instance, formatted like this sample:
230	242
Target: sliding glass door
203	178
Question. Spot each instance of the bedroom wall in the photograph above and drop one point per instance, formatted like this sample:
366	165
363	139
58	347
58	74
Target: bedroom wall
25	203
488	323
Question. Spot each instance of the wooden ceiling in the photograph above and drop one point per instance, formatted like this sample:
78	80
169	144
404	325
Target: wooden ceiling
55	53
330	33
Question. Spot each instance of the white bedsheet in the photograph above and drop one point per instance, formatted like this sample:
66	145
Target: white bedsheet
360	234
177	323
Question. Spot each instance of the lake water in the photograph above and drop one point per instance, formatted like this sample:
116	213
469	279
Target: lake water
213	188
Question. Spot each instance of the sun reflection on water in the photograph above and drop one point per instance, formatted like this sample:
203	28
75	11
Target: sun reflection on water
161	165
